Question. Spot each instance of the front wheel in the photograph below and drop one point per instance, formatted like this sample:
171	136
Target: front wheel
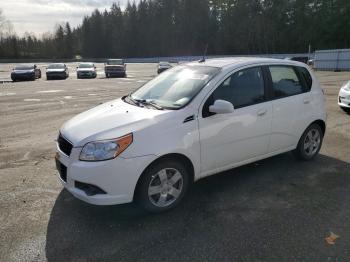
163	186
346	109
310	143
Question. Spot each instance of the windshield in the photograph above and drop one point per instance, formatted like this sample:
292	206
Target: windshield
86	65
115	62
164	64
176	87
56	66
24	67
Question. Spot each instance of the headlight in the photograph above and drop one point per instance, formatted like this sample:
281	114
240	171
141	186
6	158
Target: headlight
106	149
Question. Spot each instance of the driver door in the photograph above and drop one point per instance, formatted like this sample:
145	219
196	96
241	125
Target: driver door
228	140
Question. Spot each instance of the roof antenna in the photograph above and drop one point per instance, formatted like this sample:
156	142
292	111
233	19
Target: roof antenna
205	53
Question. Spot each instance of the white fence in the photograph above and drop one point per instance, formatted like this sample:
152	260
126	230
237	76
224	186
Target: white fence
332	60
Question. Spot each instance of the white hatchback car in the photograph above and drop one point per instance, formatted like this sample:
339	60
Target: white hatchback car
344	97
192	121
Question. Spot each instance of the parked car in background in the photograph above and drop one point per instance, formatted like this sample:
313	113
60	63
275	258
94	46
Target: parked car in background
162	66
57	70
193	121
115	67
310	62
25	72
86	70
344	97
302	59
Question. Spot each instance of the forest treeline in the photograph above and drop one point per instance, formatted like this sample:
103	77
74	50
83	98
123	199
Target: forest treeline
184	27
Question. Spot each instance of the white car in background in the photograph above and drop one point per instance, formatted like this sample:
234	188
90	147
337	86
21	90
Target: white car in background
191	121
86	70
344	97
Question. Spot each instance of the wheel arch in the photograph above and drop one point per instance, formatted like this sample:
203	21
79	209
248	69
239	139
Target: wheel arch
173	156
321	123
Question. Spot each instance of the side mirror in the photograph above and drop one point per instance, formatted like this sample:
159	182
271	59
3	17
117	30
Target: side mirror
221	107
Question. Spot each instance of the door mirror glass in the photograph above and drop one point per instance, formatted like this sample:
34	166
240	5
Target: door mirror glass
221	107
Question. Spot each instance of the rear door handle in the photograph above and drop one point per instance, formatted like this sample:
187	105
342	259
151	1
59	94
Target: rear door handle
262	112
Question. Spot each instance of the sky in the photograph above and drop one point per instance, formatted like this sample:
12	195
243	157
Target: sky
40	16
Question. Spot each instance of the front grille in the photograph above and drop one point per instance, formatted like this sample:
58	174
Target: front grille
64	145
62	170
116	69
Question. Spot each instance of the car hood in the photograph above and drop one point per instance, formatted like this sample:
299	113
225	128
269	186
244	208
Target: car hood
23	71
85	69
110	120
55	70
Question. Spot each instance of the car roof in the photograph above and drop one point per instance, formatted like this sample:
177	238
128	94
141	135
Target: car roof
231	62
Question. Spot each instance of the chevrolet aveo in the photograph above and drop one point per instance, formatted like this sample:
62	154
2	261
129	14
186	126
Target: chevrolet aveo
191	121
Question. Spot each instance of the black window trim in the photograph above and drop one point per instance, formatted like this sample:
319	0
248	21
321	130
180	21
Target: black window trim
267	90
298	74
301	75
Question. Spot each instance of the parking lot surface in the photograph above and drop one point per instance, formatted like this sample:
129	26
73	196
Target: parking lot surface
277	209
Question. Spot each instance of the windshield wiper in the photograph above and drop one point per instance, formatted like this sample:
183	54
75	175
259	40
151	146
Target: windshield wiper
148	103
132	101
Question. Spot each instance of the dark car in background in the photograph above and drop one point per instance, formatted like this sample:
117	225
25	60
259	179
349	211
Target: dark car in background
57	71
162	66
302	59
115	67
25	72
86	70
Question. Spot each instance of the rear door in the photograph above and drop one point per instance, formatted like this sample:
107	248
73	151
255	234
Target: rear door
291	102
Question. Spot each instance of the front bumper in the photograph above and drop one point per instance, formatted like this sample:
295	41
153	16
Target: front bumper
86	74
56	75
344	98
22	76
117	177
115	73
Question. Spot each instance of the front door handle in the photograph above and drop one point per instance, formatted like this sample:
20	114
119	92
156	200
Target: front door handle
262	112
307	100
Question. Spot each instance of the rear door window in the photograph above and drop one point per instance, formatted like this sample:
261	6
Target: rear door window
306	76
285	81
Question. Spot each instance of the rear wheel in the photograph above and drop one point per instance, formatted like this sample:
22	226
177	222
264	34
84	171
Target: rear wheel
310	143
162	186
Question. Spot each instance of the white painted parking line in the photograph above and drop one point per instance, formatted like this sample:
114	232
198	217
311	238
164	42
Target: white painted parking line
49	91
68	97
7	94
32	100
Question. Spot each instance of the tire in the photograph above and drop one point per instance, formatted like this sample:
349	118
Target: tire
310	143
167	194
107	75
48	78
346	109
